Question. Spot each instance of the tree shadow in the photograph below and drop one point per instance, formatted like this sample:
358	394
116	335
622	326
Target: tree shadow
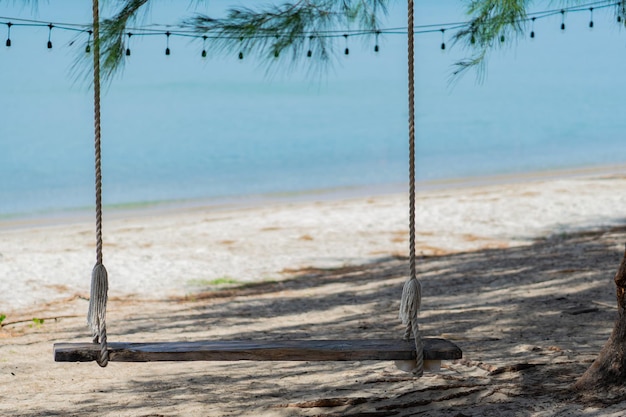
529	320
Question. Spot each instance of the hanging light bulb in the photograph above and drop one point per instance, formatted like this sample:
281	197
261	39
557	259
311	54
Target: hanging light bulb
309	53
443	39
591	18
204	38
347	51
8	42
241	51
532	31
128	44
562	19
50	26
167	45
376	47
88	47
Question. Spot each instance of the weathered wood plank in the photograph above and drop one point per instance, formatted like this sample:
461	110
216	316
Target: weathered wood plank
280	350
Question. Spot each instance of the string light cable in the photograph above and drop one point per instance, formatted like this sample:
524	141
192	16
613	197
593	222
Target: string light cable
168	31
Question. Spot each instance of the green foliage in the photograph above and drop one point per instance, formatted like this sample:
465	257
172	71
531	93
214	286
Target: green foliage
112	36
291	30
272	32
2	318
37	322
223	281
497	23
494	23
110	42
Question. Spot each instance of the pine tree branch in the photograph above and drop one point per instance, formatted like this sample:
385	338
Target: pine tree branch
494	24
112	36
112	47
297	29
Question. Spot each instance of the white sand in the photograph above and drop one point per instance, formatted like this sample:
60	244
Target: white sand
529	316
163	253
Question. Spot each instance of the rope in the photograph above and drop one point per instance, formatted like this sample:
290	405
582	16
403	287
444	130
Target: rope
96	317
412	291
411	66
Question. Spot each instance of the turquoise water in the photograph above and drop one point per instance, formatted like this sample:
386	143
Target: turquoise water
181	128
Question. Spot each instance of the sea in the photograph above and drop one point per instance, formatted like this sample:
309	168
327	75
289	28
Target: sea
184	129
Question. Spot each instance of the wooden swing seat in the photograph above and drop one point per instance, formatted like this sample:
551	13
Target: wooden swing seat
247	350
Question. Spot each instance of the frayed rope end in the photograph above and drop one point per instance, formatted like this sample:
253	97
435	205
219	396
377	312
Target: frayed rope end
410	305
96	317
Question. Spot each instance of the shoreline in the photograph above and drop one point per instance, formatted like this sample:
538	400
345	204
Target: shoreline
151	208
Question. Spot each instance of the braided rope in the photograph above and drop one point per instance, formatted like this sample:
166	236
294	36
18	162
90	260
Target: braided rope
412	291
96	317
411	66
97	129
419	349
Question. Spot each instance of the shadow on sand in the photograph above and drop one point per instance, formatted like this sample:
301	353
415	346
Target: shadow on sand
529	320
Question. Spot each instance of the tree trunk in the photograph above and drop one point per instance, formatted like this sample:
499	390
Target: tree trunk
609	368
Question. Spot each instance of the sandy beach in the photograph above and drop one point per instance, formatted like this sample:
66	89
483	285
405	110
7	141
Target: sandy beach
517	273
